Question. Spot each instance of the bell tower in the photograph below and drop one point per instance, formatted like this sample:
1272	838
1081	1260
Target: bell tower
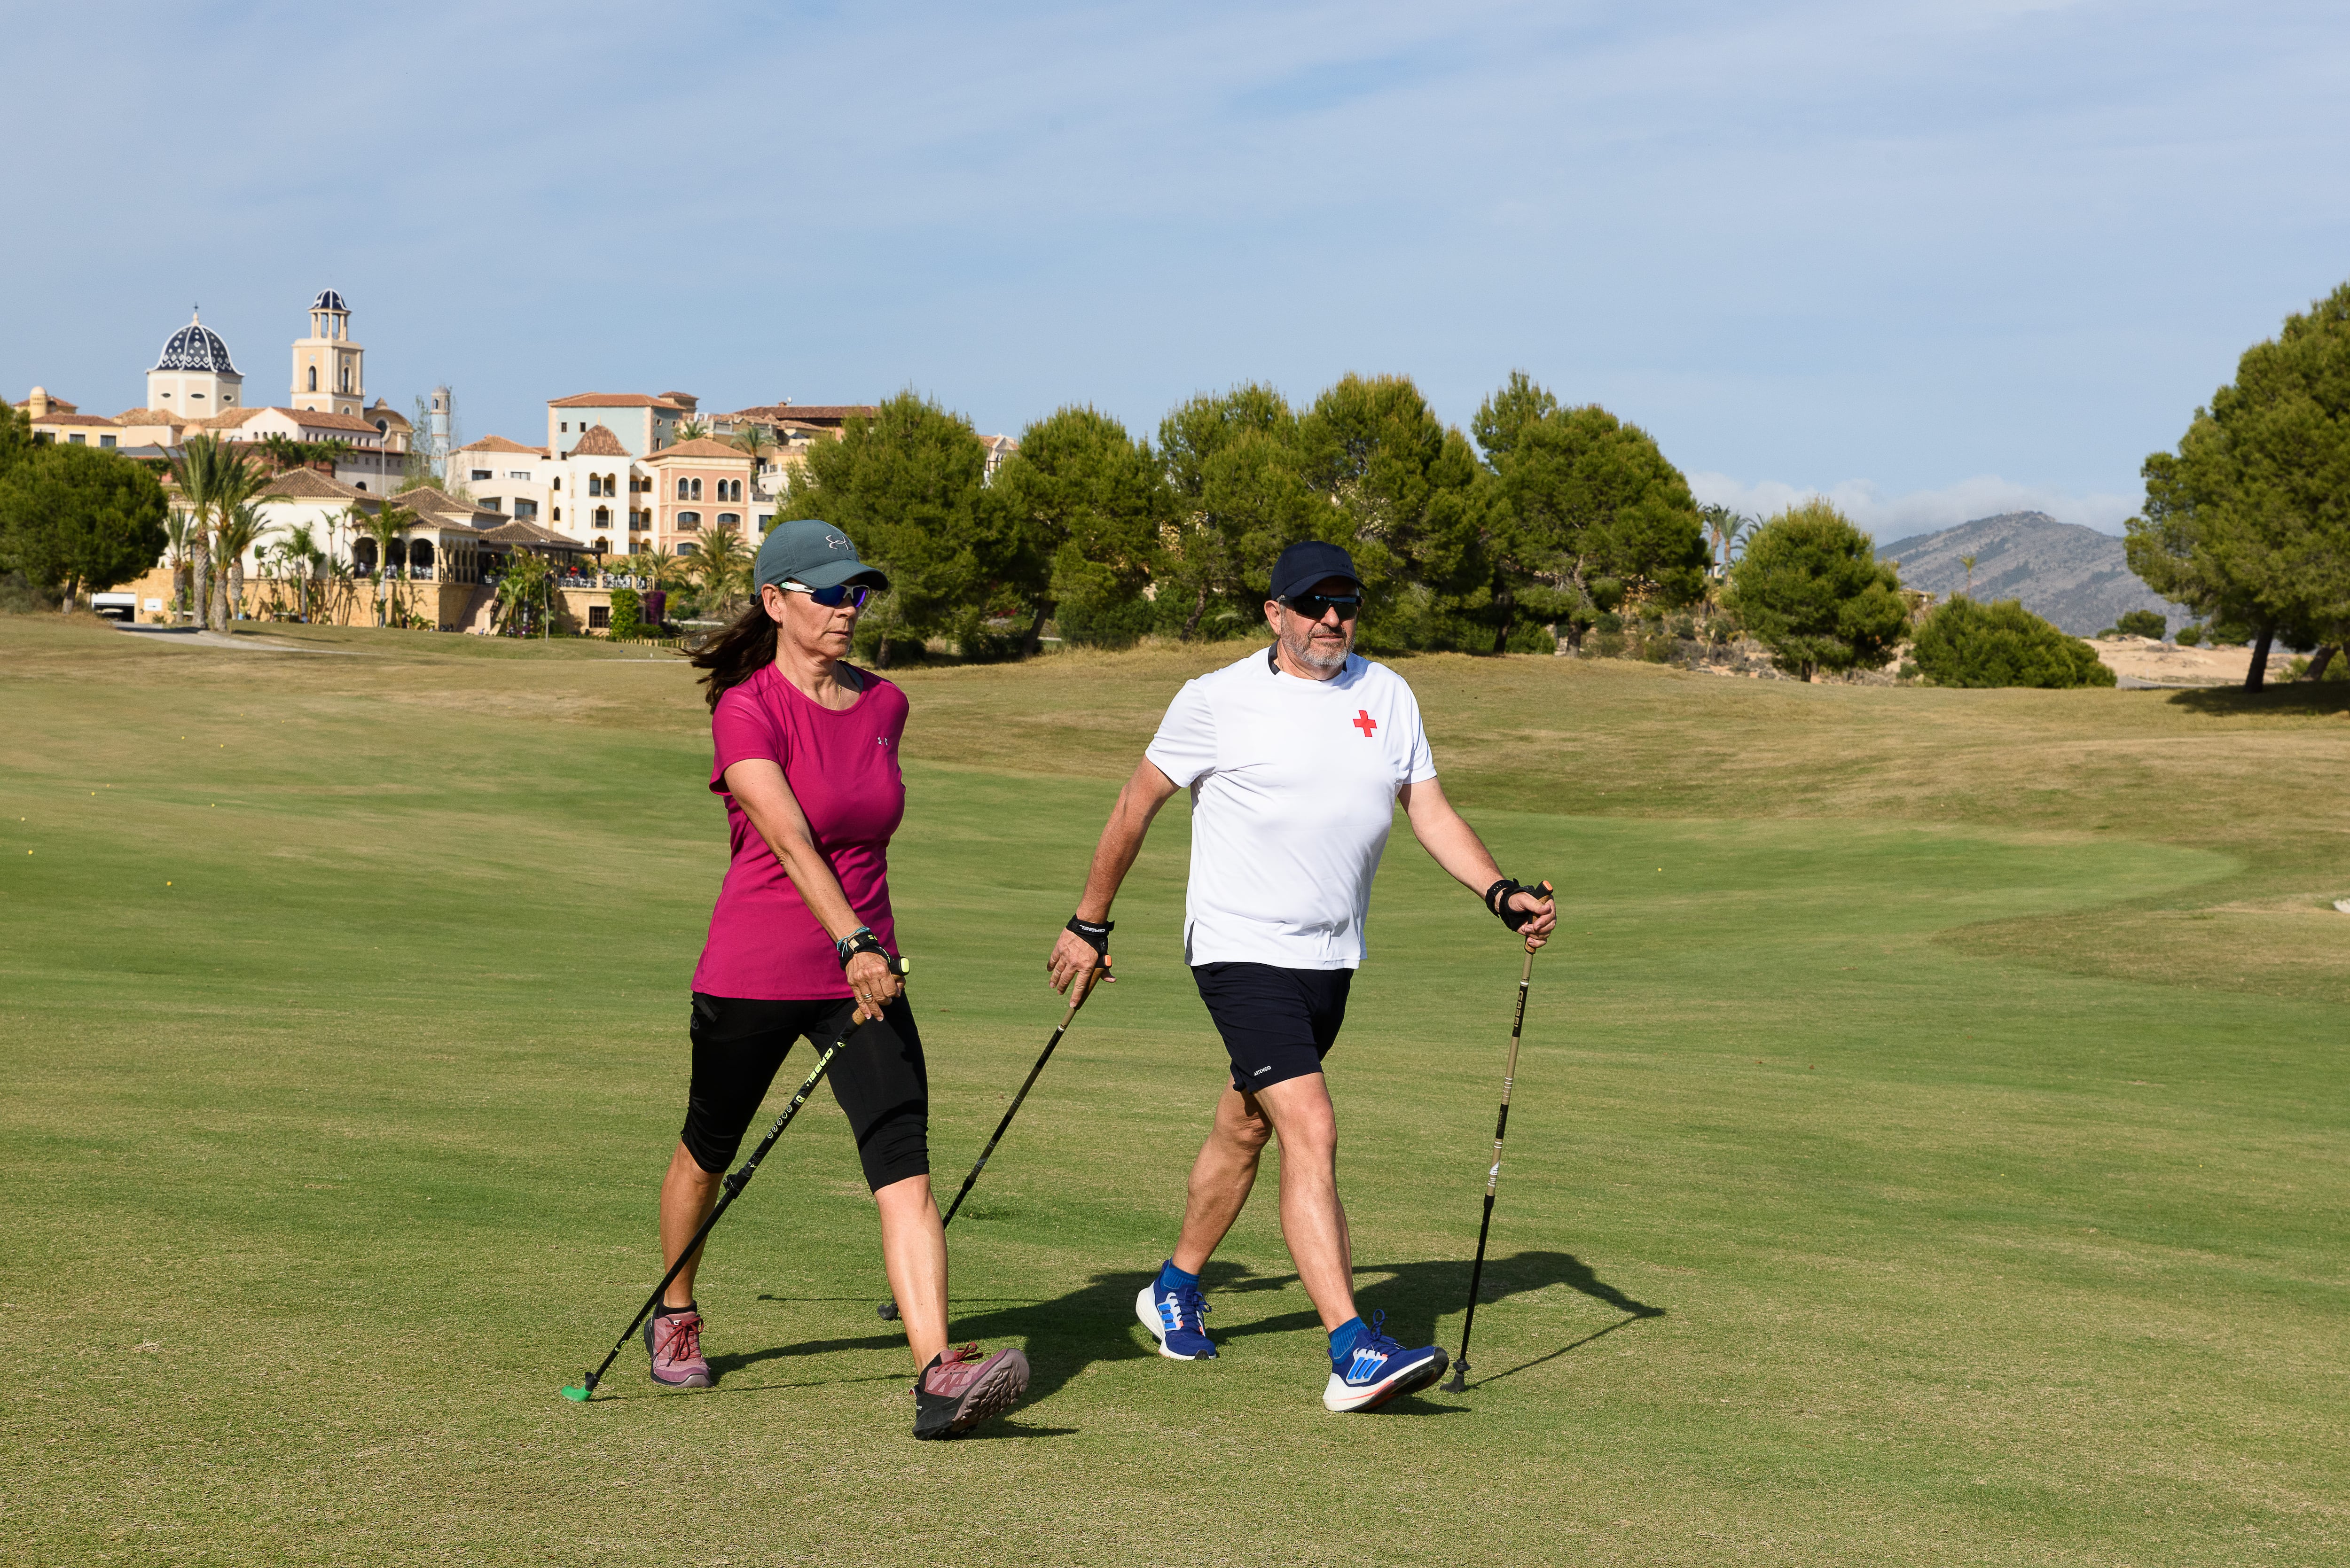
329	370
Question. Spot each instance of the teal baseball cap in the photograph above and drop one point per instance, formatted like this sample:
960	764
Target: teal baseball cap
813	553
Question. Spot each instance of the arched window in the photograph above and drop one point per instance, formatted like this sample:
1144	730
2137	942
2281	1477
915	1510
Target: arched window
688	521
603	517
398	553
314	377
697	490
363	554
603	546
420	553
730	520
595	485
734	489
686	549
346	378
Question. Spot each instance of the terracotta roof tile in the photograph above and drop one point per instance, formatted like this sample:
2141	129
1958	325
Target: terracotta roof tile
701	450
817	413
529	534
319	419
232	420
309	484
499	443
599	442
613	400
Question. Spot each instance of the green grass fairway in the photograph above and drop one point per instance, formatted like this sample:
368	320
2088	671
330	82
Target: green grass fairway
1928	1147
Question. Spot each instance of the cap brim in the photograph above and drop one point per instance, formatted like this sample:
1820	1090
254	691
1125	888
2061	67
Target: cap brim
1306	584
832	574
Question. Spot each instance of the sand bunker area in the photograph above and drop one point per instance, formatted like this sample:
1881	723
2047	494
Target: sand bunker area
2143	660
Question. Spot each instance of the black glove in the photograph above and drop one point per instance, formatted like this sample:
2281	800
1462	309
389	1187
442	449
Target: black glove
1498	897
1094	935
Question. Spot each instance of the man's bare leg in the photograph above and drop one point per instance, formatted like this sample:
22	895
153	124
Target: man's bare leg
1312	1220
1222	1177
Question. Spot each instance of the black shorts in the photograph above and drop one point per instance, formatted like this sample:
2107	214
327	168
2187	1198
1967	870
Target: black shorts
879	1079
1276	1023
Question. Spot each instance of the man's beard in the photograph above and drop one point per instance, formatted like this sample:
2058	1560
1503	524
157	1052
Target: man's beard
1301	648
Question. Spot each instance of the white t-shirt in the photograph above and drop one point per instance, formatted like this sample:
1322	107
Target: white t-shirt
1293	789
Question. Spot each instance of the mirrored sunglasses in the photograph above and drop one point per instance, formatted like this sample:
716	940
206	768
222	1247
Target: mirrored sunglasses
853	594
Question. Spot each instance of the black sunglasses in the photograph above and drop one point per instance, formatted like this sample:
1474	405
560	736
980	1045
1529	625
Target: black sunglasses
1313	607
853	594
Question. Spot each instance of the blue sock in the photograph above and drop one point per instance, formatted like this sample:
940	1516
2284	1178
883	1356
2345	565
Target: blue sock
1344	1337
1171	1277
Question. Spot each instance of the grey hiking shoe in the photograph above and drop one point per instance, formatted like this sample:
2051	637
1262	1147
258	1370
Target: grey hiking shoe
963	1387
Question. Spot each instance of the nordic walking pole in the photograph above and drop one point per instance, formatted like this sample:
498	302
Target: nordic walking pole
1459	1383
734	1184
888	1311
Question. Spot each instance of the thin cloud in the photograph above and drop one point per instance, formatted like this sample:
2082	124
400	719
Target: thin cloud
1885	517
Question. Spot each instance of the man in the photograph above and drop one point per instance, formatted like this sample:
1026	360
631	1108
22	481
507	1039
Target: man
1296	758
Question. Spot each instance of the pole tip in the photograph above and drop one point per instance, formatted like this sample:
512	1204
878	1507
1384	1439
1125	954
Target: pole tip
578	1396
1459	1383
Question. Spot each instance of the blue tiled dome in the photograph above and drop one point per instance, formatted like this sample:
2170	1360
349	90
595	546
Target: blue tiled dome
196	347
329	300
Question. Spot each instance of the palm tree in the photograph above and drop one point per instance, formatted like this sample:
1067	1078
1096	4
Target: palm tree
1969	562
662	571
285	450
216	478
722	568
386	526
180	531
754	440
1728	531
522	593
693	429
298	550
237	534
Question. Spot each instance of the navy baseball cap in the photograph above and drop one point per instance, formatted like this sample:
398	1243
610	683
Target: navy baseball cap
1306	562
813	554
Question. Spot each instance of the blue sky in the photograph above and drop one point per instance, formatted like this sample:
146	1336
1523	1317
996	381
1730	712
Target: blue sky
1933	259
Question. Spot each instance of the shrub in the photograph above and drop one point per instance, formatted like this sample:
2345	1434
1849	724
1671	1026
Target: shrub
1968	644
628	614
2190	635
1811	587
2142	623
1106	622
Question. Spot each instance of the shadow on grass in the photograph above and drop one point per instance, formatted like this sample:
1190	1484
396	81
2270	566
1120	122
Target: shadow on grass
2308	698
1095	1323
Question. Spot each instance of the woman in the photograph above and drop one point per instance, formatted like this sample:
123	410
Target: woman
799	945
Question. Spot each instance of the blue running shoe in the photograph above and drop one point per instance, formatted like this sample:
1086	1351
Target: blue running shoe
1381	1369
1176	1320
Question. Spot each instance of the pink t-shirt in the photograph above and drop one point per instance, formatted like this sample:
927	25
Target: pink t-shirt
763	942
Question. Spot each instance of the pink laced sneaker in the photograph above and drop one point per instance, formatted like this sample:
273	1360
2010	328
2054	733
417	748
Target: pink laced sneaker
674	1339
963	1387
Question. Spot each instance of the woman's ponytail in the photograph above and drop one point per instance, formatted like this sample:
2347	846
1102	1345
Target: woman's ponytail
735	653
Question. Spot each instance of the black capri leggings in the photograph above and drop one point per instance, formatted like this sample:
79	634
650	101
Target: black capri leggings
879	1079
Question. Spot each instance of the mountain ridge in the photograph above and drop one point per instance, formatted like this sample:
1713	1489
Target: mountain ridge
2072	576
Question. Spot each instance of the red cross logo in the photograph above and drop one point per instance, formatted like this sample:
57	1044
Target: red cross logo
1365	722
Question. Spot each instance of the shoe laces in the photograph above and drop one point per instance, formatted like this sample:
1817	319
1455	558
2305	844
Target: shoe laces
1190	1307
682	1342
1376	1340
